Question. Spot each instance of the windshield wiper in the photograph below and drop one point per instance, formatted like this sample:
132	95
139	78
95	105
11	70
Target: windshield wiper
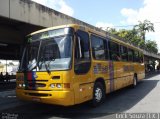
47	65
47	68
33	68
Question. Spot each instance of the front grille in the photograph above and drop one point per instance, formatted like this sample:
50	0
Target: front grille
36	85
40	85
38	94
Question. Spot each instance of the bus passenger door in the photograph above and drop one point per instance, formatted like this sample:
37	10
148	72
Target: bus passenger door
82	64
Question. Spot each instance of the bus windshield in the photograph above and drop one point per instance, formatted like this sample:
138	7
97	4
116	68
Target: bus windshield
52	52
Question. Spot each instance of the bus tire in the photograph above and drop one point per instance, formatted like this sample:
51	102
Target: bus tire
135	81
98	94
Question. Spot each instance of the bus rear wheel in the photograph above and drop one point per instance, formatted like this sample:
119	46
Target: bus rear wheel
134	81
98	94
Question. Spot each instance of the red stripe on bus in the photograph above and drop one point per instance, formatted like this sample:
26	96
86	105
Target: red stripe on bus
29	76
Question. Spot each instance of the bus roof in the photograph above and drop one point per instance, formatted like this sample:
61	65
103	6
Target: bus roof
94	30
55	27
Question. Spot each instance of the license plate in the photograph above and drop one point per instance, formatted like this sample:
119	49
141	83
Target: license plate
36	99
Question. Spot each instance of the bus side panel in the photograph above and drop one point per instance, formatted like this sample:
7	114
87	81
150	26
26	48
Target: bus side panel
83	87
140	70
123	74
118	80
86	92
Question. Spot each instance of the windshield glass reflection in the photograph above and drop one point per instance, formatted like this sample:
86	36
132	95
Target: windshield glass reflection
49	52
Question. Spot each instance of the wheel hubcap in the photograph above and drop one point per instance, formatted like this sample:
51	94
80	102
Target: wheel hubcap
98	94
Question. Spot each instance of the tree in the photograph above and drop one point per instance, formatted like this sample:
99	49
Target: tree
112	31
132	36
143	27
151	46
128	35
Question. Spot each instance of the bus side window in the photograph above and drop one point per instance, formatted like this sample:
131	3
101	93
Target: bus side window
114	51
98	48
141	60
82	53
136	56
130	55
124	53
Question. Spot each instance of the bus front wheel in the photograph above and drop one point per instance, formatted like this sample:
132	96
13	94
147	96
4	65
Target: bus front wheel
98	94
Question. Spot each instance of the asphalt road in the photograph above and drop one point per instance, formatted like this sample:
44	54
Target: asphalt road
145	98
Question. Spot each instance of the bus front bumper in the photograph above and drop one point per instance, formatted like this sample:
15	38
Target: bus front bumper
64	98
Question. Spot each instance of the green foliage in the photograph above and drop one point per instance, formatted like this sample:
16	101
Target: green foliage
151	46
112	31
136	36
143	27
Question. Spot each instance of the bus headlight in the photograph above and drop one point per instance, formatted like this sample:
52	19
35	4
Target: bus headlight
59	85
24	85
20	85
52	85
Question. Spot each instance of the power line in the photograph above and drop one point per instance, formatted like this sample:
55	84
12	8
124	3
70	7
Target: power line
133	25
124	26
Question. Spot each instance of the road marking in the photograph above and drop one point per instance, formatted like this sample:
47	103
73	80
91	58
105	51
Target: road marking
11	96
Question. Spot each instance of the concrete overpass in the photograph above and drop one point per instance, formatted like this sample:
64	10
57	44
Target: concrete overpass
21	17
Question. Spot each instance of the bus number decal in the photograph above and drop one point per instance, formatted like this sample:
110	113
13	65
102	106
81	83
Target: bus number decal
127	68
99	69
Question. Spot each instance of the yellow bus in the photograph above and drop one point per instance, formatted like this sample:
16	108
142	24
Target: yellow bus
72	64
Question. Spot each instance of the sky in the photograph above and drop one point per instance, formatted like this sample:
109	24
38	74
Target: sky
111	13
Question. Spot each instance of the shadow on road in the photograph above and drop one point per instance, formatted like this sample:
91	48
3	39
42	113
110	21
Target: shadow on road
116	102
152	74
